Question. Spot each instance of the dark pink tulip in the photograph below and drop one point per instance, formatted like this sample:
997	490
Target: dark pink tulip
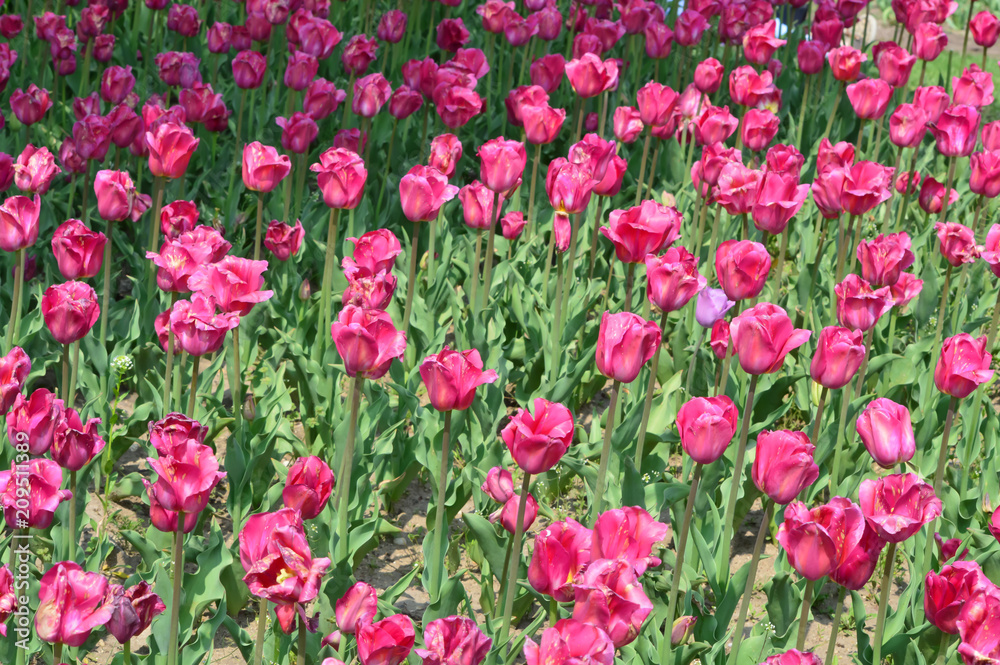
199	102
126	126
70	310
672	279
11	25
932	194
907	180
689	27
454	640
714	125
906	289
198	329
762	336
477	205
928	41
518	98
282	240
610	597
104	47
297	132
658	40
92	136
974	88
234	282
181	257
896	506
370	95
548	19
537	442
783	465
957	243
34	419
507	513
248	69
932	99
817	541
810	56
170	148
375	251
885	429
648	228
956	131
456	106
445	153
312	34
977	626
885	258
185	477
386	642
370	291
451	378
356	608
132	609
405	101
708	75
947	593
845	63
991	251
300	70
359	53
70	604
869	98
501	163
706	426
742	267
494	15
14	370
865	186
561	553
116	83
985	27
547	71
907	125
859	306
392	26
985	176
714	158
75	443
963	366
894	64
793	657
220	37
590	76
593	153
568	641
367	341
840	155
452	34
30	106
264	167
542	123
760	44
117	199
738	188
512	224
178	69
341	175
78	250
173	430
44	478
183	19
19	222
779	198
625	343
747	87
656	103
34	170
839	352
499	485
784	159
422	191
628	533
308	486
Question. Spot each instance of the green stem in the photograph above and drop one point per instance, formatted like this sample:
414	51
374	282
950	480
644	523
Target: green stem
556	352
647	407
154	235
258	647
802	117
411	280
737	482
127	652
346	467
65	374
888	206
328	270
947	189
883	604
858	143
175	605
642	167
818	418
831	645
193	396
236	387
169	373
488	267
800	642
845	396
71	537
515	563
239	116
629	284
257	231
56	653
430	246
531	194
863	372
833	112
300	654
758	547
106	303
473	290
602	470
15	307
939	473
674	592
440	536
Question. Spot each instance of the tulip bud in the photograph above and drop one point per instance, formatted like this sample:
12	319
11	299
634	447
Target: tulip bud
682	630
305	290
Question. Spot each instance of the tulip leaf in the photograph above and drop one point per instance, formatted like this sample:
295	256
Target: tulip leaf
783	603
485	534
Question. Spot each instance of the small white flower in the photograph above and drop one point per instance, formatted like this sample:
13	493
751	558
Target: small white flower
122	364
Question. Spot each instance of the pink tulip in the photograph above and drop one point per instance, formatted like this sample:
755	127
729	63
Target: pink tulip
547	71
760	44
625	343
14	370
610	597
19	222
747	88
34	170
308	486
537	442
70	310
738	188
132	609
956	131
928	41
708	75
197	327
839	353
30	106
422	191
590	76
762	336
234	282
845	63
859	306
957	243
630	534
501	164
78	250
74	443
817	541
283	240
570	640
894	63
356	608
907	125
173	430
451	378
170	148
341	175
963	366
117	198
793	657
367	341
810	57
44	478
386	642
759	128
455	640
779	199
885	429
375	251
932	99
706	426
869	98
645	229
263	167
885	258
974	87
896	506
784	465
70	604
985	177
866	185
742	267
561	553
672	279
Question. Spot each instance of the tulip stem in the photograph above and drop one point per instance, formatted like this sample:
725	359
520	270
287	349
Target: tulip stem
842	246
991	335
510	590
488	267
700	234
300	653
807	596
258	647
328	267
642	167
346	467
106	302
411	280
758	547
597	234
863	372
531	194
641	441
910	187
802	119
833	111
239	115
193	397
845	396
602	470
781	262
440	535
473	291
730	351
127	652
859	142
15	307
939	473
835	626
679	553
818	418
430	246
154	235
556	318
713	242
947	189
71	538
260	219
737	482
883	603
56	653
888	206
175	605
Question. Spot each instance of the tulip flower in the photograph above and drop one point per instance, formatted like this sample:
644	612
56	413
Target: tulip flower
908	125
859	306
708	75
947	593
297	132
762	336
985	27
405	101
793	657
501	163
656	103
356	608
74	443
896	506
171	145
537	442
985	177
367	341
590	76
561	553
512	224
423	190
453	637
308	486
869	98
672	279
974	88
78	250
759	128
386	642
845	63
44	478
760	44
816	541
957	243
185	478
839	353
263	167
932	196
784	465
117	198
282	240
894	63
30	106
784	159
174	429
865	186
374	251
885	429
963	365
341	175
706	426
628	533
132	610
928	41
180	258
610	597
14	370
451	378
648	228
34	170
568	640
885	258
932	99
19	223
569	186
810	57
70	310
747	87
956	131
70	604
196	325
742	267
625	343
779	199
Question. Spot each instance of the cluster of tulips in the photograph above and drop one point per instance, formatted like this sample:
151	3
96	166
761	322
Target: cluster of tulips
745	101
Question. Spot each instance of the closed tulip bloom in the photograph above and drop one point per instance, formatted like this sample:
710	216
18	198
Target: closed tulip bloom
308	486
947	593
779	198
957	243
815	540
454	640
127	127
184	482
375	251
896	506
561	553
786	160
894	64
14	370
610	596
974	87
170	148
456	106
174	429
810	57
445	153
386	642
658	40
932	194
706	426
547	71
301	70
370	95
19	222
451	378
35	419
220	37
537	442
869	98
742	267
738	188
932	99
282	240
34	170
501	163
885	429
977	626
70	604
656	103
956	131
117	198
839	352
708	76
297	132
512	224
762	336
747	87
116	84
70	310
625	343
784	465
181	257
963	366
711	306
859	306
672	279
907	125
984	27
422	191
907	181
248	69
590	76
845	63
30	106
525	95
367	341
542	123
92	136
866	185
928	41
760	44
985	177
74	443
263	167
132	609
645	229
44	478
392	26
405	101
759	128
568	641
716	124
341	175
78	250
356	608
507	513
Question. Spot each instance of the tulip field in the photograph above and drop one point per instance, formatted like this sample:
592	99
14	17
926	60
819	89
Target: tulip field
557	332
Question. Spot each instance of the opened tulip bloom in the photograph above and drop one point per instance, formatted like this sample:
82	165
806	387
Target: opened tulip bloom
859	306
386	642
71	603
78	250
234	282
132	609
816	541
645	229
609	596
422	192
762	336
571	640
14	370
672	279
947	593
628	533
562	551
454	637
308	486
538	441
957	243
897	506
742	267
885	258
44	480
